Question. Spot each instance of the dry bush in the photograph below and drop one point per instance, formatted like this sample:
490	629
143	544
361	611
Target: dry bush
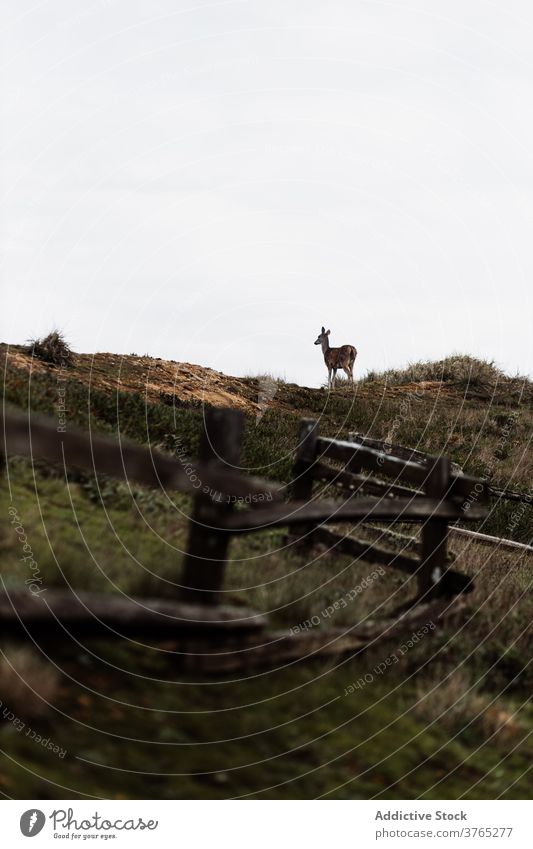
455	702
27	682
51	349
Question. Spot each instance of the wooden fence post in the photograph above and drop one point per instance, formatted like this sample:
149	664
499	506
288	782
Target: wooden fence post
302	485
203	573
434	531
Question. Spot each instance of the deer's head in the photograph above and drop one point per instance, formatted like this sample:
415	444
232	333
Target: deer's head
322	337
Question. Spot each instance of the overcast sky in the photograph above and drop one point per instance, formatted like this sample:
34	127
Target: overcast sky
213	181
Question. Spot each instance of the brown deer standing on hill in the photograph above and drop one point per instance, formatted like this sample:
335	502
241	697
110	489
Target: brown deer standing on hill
335	358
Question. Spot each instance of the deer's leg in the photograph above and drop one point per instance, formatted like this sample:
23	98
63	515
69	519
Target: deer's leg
334	378
346	370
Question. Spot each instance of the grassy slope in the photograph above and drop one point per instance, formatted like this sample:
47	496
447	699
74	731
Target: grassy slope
292	730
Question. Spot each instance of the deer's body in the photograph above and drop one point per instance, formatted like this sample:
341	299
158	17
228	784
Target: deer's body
336	358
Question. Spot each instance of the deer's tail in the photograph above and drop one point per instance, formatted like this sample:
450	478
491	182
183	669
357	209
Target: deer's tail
353	354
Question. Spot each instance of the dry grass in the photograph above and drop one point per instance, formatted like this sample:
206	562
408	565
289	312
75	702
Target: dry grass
27	682
341	382
456	702
294	587
51	349
501	601
459	369
266	377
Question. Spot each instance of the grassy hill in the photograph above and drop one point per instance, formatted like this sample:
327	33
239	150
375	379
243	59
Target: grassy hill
450	718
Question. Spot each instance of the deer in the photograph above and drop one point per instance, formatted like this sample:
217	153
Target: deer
335	358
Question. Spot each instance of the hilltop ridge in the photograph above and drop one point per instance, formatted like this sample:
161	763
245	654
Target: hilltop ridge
184	383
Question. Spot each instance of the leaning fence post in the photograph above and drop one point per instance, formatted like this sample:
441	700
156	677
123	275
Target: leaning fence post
203	573
302	484
434	530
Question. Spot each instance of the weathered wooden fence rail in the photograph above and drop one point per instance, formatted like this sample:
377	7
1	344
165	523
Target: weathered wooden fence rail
38	438
423	490
376	486
504	494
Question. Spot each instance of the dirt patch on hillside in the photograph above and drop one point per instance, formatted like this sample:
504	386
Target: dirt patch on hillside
22	361
187	384
160	381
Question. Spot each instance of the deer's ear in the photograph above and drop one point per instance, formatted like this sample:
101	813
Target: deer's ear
328	332
323	329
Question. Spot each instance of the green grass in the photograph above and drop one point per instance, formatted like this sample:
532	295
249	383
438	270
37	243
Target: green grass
133	727
292	734
458	369
331	749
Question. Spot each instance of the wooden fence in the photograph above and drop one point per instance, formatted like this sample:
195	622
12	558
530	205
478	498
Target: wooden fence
376	487
496	494
422	457
403	490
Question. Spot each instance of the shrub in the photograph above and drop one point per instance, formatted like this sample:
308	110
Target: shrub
27	682
457	368
51	349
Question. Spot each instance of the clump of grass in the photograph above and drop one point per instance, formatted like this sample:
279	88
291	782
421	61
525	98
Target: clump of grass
459	369
455	703
52	349
341	382
27	683
266	378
